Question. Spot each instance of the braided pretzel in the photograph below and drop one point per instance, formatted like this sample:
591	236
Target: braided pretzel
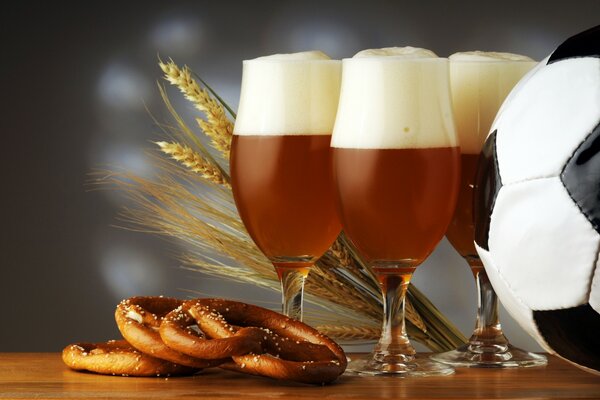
294	351
118	358
176	332
139	319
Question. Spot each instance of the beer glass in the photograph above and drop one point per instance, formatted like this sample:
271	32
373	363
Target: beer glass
396	165
281	163
480	82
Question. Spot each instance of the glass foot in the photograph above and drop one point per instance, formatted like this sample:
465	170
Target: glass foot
511	358
417	366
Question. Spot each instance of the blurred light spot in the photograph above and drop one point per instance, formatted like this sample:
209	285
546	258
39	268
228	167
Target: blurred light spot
177	36
127	271
122	87
118	157
131	158
335	38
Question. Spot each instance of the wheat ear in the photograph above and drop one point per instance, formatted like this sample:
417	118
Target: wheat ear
194	162
216	126
350	333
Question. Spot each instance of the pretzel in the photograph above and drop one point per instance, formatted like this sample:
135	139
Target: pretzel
117	357
176	332
292	350
139	319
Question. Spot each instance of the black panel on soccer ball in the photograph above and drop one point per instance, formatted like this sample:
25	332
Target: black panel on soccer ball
572	333
487	186
584	44
581	177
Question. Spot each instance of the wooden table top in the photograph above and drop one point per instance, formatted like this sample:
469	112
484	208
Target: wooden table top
43	375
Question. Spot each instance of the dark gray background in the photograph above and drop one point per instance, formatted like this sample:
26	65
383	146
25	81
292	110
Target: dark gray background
74	81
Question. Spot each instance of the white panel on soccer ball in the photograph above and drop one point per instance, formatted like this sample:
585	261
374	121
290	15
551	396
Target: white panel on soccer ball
517	309
547	119
516	89
544	245
595	289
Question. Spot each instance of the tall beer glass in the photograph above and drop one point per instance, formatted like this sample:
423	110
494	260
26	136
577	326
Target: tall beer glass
396	165
281	163
480	82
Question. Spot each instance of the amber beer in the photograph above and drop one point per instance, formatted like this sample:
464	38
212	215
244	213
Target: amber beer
286	203
396	159
461	230
480	82
392	200
396	170
281	163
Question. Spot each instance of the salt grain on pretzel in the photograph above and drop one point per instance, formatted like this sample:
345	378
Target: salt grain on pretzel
139	319
119	358
259	341
296	351
176	332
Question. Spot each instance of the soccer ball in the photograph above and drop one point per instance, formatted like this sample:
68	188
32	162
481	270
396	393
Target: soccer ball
537	202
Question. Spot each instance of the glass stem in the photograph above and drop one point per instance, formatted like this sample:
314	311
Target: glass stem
292	290
393	346
488	336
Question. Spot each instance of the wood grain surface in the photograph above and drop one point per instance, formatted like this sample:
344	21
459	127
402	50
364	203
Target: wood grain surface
43	375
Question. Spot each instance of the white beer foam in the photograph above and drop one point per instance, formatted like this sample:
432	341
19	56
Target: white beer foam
395	101
480	82
304	55
406	52
487	56
289	94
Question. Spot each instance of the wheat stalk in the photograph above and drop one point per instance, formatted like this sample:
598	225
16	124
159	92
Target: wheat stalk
216	126
350	333
174	204
413	316
329	284
194	162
